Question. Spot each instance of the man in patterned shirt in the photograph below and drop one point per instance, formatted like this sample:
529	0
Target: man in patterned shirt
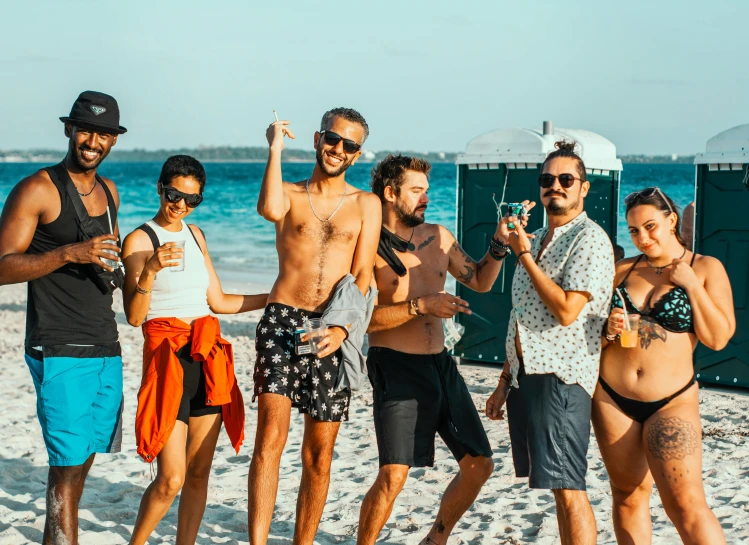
560	294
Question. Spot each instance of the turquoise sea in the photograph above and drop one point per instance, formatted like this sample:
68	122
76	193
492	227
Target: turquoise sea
242	243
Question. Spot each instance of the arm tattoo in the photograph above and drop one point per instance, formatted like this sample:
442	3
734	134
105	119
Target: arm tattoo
468	272
426	242
672	439
648	331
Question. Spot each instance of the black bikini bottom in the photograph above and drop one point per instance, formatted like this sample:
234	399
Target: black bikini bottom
641	410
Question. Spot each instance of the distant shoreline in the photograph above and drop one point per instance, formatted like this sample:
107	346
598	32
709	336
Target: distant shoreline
260	155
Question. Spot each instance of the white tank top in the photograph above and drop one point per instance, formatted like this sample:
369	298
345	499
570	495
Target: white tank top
181	294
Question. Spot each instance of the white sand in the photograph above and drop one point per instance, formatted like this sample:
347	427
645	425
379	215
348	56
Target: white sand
505	512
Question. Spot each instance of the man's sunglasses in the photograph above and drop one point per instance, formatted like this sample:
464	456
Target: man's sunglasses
332	139
173	195
565	180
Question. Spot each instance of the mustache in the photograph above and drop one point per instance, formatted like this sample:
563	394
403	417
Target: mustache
424	207
552	193
84	147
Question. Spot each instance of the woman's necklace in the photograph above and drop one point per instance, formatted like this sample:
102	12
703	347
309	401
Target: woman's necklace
659	270
89	193
309	197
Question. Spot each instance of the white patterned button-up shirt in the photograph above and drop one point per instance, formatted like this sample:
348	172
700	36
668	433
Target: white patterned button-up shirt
579	257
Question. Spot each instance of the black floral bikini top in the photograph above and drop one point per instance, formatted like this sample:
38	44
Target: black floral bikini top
672	311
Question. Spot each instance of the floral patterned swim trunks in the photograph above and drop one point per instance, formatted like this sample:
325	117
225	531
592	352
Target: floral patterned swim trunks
307	380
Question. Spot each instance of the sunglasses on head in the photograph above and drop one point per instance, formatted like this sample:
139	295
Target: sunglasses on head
644	194
332	139
565	180
173	195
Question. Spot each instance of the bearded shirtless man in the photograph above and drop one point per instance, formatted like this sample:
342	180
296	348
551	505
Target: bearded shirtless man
325	229
418	391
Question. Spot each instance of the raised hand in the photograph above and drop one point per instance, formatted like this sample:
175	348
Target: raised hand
503	230
520	241
276	132
166	255
683	275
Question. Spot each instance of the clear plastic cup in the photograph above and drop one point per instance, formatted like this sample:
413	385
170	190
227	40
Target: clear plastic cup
181	267
315	330
629	336
110	262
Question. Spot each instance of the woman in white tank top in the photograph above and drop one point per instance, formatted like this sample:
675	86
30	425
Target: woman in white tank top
157	295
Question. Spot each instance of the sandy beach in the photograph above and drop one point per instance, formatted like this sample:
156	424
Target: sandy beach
506	512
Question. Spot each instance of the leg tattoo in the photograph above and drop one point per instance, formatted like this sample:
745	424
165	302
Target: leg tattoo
672	439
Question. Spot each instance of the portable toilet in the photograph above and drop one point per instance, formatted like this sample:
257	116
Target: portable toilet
722	231
504	165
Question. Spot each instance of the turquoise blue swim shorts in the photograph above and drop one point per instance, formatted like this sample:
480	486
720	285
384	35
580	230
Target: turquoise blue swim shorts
78	399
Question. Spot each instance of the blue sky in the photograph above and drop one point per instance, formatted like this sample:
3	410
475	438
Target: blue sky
654	77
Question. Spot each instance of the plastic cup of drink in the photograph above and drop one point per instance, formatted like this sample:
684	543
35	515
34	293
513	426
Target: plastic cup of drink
315	330
181	261
110	262
629	336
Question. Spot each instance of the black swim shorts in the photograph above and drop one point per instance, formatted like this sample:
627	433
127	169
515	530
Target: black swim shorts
193	388
307	380
549	431
417	396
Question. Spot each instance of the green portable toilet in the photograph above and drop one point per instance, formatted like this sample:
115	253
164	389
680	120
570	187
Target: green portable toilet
722	231
507	162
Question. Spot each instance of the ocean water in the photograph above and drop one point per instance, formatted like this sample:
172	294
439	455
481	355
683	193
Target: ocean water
242	243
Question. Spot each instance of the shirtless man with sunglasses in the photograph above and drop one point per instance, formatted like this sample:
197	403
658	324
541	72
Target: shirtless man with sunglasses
325	229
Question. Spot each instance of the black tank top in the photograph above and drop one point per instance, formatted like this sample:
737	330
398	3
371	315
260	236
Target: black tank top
66	307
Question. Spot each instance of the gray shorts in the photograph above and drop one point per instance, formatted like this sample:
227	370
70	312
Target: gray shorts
549	431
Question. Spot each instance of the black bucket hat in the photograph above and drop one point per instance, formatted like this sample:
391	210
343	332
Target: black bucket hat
96	110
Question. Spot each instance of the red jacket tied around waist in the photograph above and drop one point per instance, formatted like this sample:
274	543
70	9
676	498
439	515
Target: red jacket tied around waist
161	387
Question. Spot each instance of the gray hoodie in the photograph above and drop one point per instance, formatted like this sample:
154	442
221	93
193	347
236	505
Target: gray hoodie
349	306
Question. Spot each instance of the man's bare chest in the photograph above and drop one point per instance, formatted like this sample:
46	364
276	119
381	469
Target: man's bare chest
426	271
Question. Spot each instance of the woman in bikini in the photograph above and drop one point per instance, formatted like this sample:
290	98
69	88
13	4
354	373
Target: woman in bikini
646	406
189	388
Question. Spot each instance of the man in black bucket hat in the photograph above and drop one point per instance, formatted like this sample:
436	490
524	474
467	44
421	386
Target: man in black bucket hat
50	237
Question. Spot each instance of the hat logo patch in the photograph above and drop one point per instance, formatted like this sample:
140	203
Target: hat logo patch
98	110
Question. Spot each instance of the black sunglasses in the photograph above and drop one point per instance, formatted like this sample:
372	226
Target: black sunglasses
173	195
565	180
332	139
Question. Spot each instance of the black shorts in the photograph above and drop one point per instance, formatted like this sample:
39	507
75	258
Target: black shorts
307	380
549	431
193	388
417	396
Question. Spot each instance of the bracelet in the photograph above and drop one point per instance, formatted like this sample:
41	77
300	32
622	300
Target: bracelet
497	256
605	333
499	246
520	254
141	290
413	307
505	377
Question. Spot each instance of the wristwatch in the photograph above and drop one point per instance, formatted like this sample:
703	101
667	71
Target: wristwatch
413	307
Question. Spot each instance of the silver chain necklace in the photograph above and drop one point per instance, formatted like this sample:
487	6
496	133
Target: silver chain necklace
309	197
